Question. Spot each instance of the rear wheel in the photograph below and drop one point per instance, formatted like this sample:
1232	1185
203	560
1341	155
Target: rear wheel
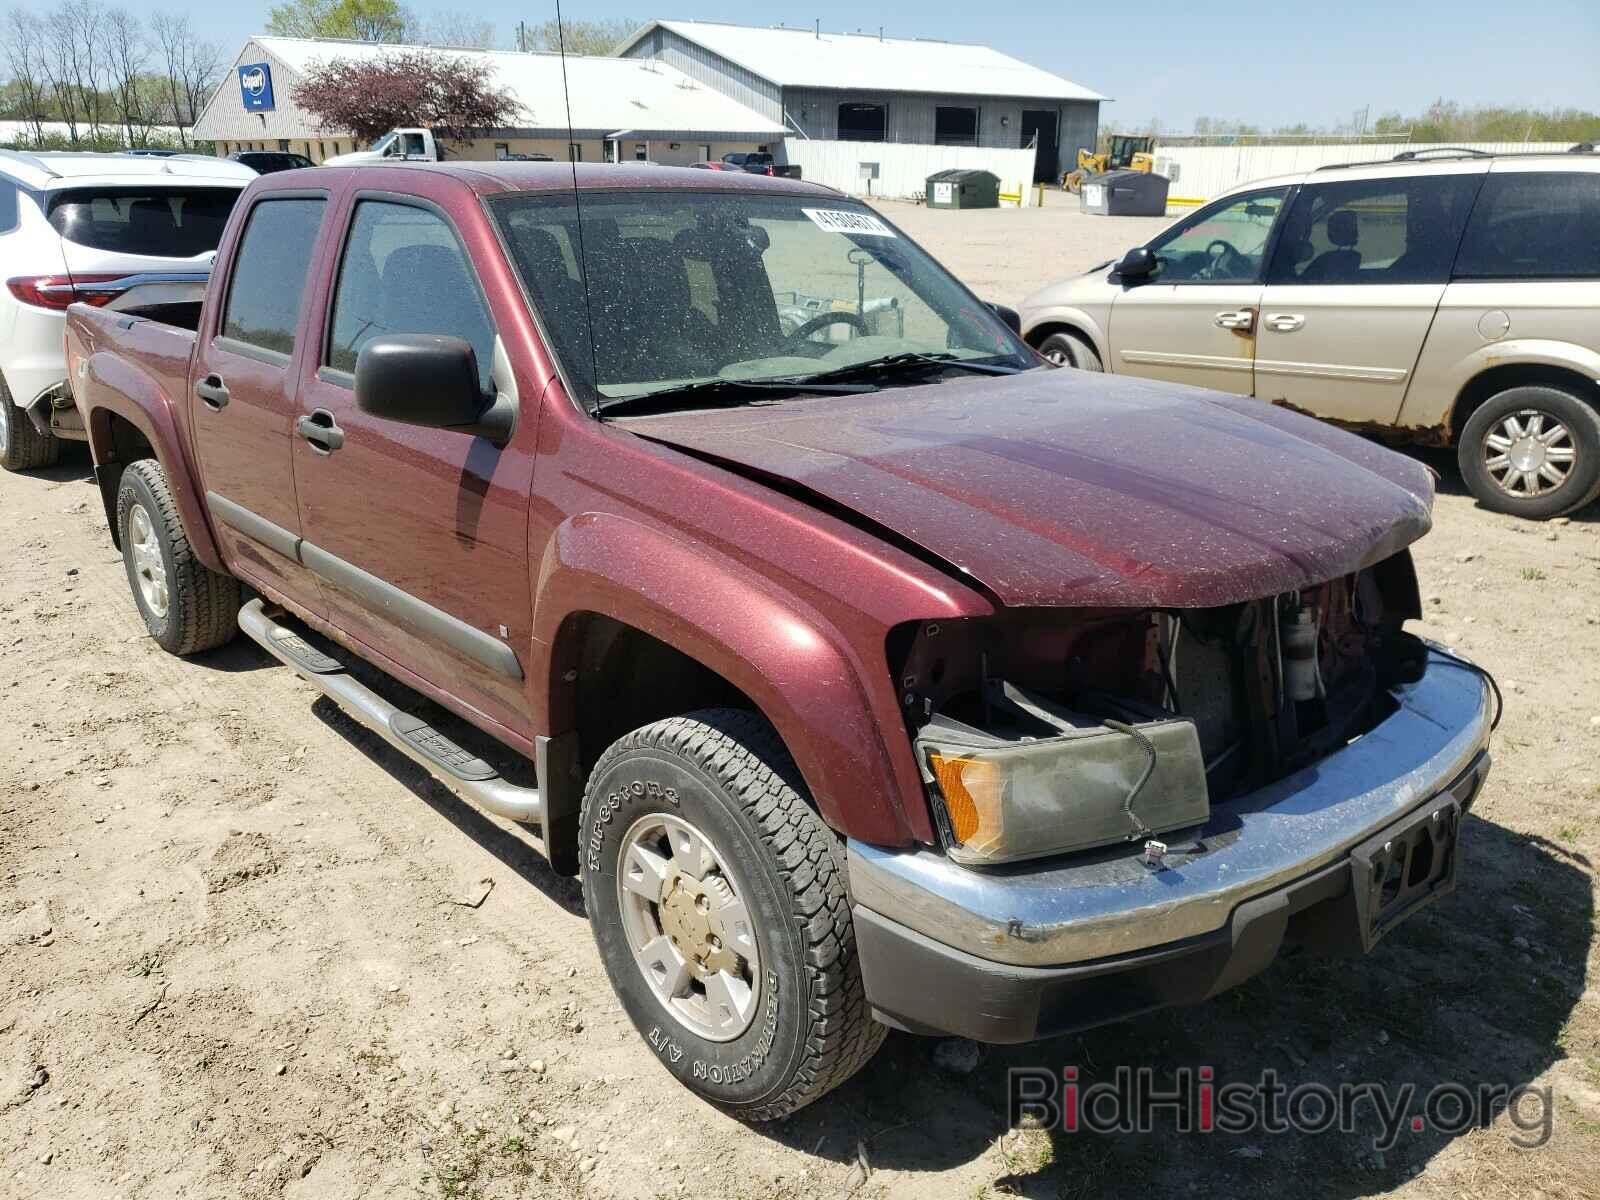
22	447
717	899
186	606
1532	452
1070	350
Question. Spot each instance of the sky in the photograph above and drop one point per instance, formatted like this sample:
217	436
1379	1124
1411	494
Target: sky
1175	61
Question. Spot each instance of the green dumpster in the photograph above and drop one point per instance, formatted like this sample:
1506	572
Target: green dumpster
963	187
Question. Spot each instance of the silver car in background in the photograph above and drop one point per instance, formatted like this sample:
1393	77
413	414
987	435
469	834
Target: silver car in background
1442	298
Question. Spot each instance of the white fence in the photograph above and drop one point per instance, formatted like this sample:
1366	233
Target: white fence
902	170
1201	172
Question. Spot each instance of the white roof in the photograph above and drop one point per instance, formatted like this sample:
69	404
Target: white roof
865	62
66	168
607	93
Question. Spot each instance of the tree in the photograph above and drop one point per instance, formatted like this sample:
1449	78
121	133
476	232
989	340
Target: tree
22	47
360	20
578	37
450	28
192	68
449	94
123	44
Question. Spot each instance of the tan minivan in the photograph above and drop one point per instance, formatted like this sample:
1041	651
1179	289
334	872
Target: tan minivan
1448	298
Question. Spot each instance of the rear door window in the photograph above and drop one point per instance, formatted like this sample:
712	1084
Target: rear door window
153	222
8	205
1534	225
1362	231
404	272
269	273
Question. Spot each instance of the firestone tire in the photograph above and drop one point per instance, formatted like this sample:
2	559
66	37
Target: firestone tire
1547	429
724	774
186	606
22	447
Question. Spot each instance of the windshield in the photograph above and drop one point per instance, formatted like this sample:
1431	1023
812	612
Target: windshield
382	145
686	288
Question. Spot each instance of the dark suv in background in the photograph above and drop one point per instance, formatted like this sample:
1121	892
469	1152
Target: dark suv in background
268	162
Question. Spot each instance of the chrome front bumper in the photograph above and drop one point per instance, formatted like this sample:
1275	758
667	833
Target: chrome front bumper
1107	904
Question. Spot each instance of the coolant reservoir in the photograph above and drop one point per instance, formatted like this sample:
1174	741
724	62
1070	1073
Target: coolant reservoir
1297	635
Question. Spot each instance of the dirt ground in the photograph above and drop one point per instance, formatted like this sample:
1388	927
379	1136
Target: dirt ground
248	951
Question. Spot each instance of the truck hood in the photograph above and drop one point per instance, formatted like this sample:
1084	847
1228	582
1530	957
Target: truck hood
1061	487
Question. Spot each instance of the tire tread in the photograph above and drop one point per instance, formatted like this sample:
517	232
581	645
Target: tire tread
204	604
742	752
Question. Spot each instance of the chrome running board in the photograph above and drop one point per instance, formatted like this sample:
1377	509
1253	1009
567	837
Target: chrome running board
458	769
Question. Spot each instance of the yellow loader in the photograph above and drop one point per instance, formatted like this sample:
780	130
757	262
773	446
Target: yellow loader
1123	152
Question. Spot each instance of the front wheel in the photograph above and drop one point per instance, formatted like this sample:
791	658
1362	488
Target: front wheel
1070	350
1532	451
718	904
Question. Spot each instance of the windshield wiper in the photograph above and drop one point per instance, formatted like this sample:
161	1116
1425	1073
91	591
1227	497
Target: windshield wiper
724	391
912	362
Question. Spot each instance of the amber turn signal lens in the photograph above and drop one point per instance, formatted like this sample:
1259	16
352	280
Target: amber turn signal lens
958	802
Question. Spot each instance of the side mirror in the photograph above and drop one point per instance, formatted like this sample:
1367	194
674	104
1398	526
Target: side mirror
1009	316
1137	264
430	380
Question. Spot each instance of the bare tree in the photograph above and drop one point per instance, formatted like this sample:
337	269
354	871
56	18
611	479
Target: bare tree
57	65
192	68
22	47
451	28
126	54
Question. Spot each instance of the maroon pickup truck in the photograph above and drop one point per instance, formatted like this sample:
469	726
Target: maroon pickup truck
871	672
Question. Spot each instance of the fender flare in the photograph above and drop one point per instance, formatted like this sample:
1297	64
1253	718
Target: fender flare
790	660
114	388
1075	317
1511	352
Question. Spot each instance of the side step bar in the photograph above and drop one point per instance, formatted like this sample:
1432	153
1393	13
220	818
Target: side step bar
457	768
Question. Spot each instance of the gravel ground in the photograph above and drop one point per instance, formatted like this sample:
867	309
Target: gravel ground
247	951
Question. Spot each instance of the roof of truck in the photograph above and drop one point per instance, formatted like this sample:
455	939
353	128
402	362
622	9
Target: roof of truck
502	176
65	168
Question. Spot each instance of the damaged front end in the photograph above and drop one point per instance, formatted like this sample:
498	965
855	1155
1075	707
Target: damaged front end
1046	731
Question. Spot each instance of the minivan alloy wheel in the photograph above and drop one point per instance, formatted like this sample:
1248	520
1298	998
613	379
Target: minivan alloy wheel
1529	453
149	568
689	931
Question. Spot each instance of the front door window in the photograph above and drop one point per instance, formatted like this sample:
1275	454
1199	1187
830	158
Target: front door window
1223	244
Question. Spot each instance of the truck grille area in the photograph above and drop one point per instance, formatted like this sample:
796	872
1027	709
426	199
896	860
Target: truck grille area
1271	684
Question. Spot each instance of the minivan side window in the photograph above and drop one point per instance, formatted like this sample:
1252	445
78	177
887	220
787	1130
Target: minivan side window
270	266
404	272
1534	225
1374	231
1224	244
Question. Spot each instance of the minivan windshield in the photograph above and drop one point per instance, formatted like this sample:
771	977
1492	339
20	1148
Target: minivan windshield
735	291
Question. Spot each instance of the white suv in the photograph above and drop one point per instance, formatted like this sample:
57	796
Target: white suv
1444	298
78	226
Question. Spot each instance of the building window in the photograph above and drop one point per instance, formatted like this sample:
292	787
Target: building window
955	126
283	144
705	152
863	122
641	151
575	151
502	150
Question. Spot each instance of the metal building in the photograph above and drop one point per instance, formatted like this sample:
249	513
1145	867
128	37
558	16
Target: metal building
619	108
870	88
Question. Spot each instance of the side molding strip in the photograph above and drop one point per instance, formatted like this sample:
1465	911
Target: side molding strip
402	608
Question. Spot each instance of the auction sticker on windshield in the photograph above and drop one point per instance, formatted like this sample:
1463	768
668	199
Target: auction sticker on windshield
836	220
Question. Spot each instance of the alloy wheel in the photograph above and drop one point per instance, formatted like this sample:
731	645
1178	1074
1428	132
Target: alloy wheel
1529	453
149	568
688	928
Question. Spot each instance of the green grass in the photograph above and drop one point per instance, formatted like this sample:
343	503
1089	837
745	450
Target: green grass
1533	574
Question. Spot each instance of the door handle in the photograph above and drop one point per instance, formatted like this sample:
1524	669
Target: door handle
213	393
1242	318
1285	322
321	430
